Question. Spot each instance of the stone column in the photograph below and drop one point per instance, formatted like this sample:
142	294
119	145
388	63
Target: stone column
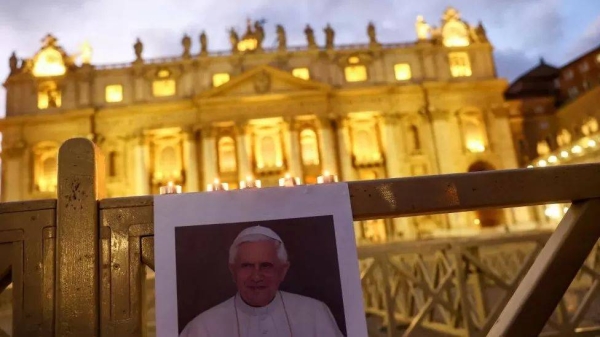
449	153
243	151
12	173
343	133
326	147
392	145
394	161
141	174
448	147
190	161
209	151
293	149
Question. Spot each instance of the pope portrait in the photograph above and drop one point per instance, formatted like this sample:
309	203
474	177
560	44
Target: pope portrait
258	262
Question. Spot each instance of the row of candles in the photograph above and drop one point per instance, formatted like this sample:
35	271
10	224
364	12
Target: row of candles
250	182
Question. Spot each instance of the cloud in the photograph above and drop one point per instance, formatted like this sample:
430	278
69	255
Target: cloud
521	31
590	39
512	63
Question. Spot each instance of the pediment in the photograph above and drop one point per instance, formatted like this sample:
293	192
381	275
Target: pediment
264	81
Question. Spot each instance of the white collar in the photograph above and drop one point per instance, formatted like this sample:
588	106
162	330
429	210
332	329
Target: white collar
258	311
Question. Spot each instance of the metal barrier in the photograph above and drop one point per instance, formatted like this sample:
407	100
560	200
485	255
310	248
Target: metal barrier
77	264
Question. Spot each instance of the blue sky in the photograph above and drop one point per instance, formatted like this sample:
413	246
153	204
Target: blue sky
521	31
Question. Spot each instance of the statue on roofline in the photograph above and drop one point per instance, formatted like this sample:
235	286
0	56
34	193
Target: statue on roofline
186	42
281	38
234	39
423	28
329	36
203	44
310	37
480	33
372	34
259	32
13	63
138	47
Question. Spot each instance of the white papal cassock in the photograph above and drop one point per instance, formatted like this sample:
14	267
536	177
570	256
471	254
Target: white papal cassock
306	317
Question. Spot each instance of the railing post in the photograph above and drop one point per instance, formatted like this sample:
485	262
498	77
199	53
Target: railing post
552	272
80	185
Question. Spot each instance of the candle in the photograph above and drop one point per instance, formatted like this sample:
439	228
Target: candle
250	183
217	185
288	180
327	178
171	188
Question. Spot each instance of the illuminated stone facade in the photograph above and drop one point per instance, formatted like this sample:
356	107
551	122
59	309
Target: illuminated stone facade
361	111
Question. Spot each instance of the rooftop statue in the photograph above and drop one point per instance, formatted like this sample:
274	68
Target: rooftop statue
186	42
138	47
310	37
329	36
203	44
281	38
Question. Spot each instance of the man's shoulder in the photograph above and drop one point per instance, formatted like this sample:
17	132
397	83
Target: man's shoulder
217	311
300	300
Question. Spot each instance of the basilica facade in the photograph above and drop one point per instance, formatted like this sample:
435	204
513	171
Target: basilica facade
364	111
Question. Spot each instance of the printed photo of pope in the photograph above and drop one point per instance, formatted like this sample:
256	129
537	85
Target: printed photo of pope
258	262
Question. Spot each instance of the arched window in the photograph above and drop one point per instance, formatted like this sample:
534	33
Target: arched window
309	146
227	157
268	151
473	130
45	167
49	174
414	138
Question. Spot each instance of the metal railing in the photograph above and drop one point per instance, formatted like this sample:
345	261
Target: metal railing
77	264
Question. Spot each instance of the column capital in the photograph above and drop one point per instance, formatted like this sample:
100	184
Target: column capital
242	127
439	114
390	118
14	150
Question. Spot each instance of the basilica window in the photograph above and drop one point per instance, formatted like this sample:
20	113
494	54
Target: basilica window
164	85
354	71
365	143
460	65
310	147
414	138
473	131
268	148
45	167
402	71
113	93
302	73
49	96
114	162
227	156
167	159
220	79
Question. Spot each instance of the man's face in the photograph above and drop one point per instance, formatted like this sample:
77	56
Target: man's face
257	272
